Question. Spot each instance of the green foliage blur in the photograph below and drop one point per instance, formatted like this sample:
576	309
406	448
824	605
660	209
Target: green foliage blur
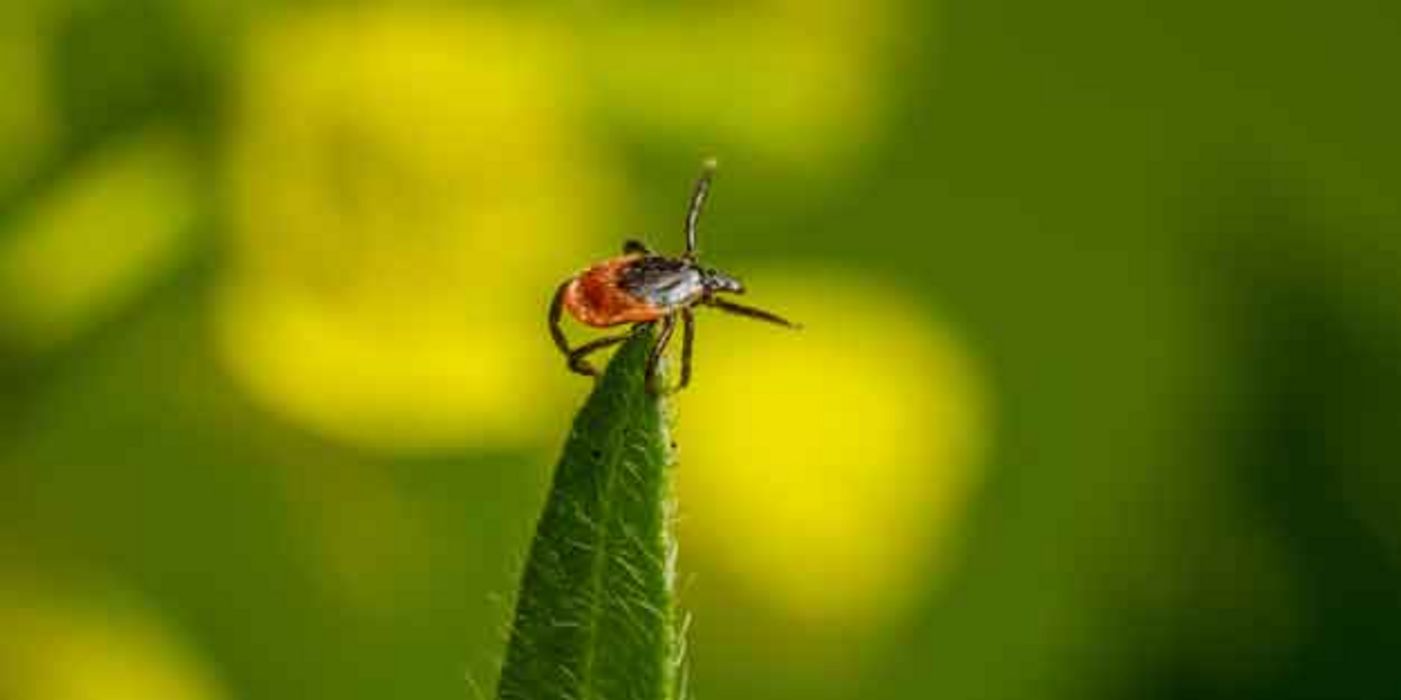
270	428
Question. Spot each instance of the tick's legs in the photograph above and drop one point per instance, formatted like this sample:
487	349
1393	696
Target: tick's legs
632	246
693	212
749	311
556	313
668	324
688	339
575	356
579	365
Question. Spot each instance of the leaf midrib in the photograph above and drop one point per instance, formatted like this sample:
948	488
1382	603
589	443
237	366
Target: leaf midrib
614	456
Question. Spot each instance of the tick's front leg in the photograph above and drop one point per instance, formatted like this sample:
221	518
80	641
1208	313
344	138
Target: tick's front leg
688	340
579	365
668	324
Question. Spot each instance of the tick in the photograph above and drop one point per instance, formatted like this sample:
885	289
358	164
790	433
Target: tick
645	289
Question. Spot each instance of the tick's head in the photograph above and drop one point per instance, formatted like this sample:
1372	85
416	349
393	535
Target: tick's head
717	281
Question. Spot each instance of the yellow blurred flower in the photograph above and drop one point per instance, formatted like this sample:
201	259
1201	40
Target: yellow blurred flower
409	186
115	223
54	649
410	182
827	469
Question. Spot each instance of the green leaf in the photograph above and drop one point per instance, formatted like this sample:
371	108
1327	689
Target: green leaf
594	615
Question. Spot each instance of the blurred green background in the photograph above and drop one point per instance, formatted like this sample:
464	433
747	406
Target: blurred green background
1098	397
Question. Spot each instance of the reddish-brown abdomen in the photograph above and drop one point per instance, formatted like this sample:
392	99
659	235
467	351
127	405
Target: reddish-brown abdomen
597	298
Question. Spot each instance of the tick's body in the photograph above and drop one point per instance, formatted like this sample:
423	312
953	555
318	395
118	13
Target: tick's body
632	289
643	288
